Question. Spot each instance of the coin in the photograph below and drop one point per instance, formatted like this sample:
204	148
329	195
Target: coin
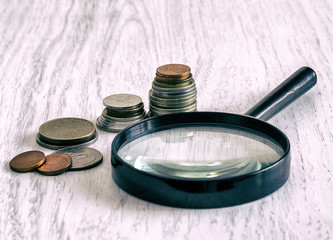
173	79
55	164
122	101
82	157
171	94
130	113
170	85
67	131
173	71
183	89
113	126
172	102
55	146
123	119
159	111
27	161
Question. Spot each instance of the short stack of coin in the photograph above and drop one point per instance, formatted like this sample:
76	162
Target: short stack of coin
64	132
121	110
173	90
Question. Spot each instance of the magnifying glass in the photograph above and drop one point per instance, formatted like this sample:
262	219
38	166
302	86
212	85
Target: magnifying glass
208	159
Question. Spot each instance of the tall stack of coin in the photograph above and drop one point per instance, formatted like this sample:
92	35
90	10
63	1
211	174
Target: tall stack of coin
173	90
121	110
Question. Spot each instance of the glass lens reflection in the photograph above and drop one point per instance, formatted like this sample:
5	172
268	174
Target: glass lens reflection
201	152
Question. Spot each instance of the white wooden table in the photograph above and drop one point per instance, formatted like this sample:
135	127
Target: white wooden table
60	59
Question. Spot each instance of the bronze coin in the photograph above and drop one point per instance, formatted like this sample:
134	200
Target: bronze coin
55	164
27	161
173	71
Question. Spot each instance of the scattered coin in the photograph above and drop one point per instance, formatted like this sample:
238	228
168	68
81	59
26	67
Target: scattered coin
27	161
83	157
55	164
66	132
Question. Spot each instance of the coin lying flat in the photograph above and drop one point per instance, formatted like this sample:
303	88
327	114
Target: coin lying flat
27	161
178	84
173	79
55	164
56	146
122	101
124	114
173	71
83	157
66	131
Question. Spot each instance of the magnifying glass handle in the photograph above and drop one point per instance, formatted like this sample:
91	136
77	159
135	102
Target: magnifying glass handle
284	94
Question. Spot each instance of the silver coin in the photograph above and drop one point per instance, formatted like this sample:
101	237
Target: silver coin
125	114
162	94
172	102
122	101
113	126
56	147
183	97
160	111
154	114
171	85
82	157
179	104
123	119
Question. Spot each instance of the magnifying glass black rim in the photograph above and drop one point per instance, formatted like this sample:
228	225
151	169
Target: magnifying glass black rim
200	192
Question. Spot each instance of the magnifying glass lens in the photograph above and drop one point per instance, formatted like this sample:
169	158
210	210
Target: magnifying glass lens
201	152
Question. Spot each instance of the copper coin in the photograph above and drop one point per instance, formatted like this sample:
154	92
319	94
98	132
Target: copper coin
55	164
27	161
173	71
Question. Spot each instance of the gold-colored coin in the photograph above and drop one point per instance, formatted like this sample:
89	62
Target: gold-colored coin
67	131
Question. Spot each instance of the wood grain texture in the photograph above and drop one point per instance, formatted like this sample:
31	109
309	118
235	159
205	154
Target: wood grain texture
61	58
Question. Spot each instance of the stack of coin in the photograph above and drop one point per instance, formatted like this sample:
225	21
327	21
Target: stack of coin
121	110
173	90
63	132
67	159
